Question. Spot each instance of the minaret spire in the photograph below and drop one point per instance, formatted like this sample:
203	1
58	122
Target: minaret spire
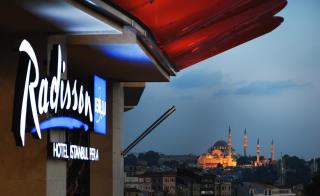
245	143
272	151
282	171
229	143
258	152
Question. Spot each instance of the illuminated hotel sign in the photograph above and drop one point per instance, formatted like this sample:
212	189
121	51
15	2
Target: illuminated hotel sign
73	152
36	97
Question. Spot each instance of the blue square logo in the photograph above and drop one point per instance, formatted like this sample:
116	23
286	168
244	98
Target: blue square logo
100	106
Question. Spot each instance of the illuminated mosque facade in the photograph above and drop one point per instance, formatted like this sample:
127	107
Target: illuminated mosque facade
220	154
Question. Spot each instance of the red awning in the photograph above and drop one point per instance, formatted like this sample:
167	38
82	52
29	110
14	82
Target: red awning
189	31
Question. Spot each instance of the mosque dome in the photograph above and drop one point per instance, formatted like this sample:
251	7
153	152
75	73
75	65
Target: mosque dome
220	143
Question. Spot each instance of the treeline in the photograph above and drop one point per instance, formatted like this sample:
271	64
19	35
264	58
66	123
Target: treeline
151	158
295	170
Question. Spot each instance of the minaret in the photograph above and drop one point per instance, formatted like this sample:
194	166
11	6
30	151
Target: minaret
229	143
245	143
258	152
272	151
314	168
282	171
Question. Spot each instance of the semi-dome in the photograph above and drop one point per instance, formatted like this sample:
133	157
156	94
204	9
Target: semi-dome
217	153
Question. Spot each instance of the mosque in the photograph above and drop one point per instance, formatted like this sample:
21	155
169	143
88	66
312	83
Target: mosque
222	154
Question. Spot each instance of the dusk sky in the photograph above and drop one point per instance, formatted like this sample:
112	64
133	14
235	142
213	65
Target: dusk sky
270	86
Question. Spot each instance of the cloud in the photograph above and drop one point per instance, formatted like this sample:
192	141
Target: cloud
222	92
198	79
262	88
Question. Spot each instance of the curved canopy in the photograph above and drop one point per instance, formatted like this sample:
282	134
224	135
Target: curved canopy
189	31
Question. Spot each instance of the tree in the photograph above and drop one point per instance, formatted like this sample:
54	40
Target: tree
298	172
314	187
267	174
130	159
263	174
173	164
150	157
243	160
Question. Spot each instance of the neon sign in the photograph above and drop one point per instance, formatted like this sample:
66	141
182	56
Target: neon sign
54	95
73	152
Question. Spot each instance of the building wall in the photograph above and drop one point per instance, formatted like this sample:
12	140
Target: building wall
22	169
106	175
223	189
169	184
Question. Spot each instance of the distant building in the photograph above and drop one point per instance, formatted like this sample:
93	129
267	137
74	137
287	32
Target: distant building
164	182
188	182
132	182
257	189
298	190
139	185
151	183
197	182
207	185
132	192
220	154
145	182
223	188
137	169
